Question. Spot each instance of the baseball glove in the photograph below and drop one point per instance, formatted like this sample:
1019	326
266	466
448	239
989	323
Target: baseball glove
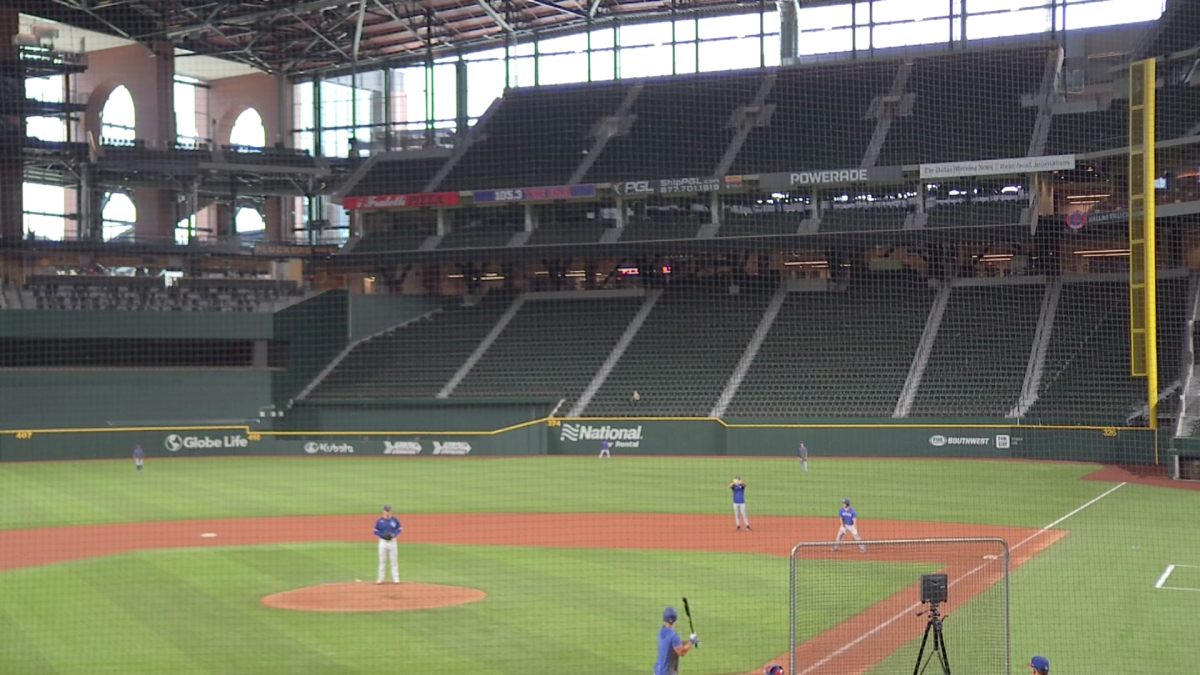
386	537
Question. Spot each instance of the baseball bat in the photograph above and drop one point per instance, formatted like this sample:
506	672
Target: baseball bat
688	610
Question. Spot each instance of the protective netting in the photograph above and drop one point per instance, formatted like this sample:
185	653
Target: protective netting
702	239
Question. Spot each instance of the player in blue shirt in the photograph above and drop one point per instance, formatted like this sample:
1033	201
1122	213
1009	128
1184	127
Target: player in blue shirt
802	454
849	524
670	647
1040	665
739	503
387	528
604	446
139	457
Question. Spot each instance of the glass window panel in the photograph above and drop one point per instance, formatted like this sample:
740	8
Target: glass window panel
976	6
645	34
737	25
1112	13
564	45
497	53
47	89
912	33
771	22
302	95
249	220
185	110
520	72
525	49
445	94
119	216
771	50
646	62
729	54
603	39
248	130
685	58
303	141
825	42
832	16
862	38
562	69
485	83
44	198
408	91
118	118
685	29
46	128
603	66
906	10
45	227
1023	22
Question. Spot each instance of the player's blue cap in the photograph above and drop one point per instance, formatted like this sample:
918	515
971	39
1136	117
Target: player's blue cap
773	669
1040	663
387	508
670	615
846	502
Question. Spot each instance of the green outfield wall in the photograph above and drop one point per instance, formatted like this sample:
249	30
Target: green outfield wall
466	428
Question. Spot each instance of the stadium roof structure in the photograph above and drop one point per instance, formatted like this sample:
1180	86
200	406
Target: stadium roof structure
300	38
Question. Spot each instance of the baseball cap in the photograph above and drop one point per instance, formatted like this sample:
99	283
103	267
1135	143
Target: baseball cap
1041	663
670	615
387	508
737	477
846	502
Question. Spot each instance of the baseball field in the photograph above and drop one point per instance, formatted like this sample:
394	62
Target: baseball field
564	565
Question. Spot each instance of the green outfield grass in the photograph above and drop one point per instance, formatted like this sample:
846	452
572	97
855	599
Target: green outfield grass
1088	602
50	494
547	611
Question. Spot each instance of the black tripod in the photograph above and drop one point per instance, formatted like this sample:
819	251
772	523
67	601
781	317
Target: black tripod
939	642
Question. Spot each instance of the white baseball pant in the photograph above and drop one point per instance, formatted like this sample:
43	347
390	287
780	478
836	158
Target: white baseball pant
388	548
852	529
740	509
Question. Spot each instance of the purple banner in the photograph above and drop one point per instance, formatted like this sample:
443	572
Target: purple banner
536	194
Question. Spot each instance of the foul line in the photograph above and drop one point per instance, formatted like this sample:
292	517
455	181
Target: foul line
850	645
1163	579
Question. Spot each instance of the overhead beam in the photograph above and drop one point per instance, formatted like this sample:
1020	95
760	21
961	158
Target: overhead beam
497	18
407	24
255	17
362	14
592	10
558	8
320	35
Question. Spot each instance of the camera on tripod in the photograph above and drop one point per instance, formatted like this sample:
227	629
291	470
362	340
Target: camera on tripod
935	590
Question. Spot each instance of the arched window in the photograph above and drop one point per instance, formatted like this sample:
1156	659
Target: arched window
249	220
118	117
248	130
119	215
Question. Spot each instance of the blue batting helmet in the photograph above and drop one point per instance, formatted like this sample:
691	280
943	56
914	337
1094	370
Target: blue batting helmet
773	669
670	615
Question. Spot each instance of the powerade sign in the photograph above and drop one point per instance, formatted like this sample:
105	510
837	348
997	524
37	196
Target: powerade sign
535	194
621	437
792	179
177	442
314	448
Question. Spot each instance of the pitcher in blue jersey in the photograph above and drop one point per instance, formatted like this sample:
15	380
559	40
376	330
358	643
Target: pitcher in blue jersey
387	528
670	647
738	486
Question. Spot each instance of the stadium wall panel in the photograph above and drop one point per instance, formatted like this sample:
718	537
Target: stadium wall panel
313	333
32	323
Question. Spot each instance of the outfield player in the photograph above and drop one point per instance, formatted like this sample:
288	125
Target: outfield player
1040	665
139	457
849	524
802	454
739	503
604	446
387	528
670	647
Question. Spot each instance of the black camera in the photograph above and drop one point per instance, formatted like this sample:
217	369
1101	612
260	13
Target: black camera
934	588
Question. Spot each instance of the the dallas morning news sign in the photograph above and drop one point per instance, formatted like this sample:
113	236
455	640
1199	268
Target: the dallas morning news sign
534	194
794	179
995	167
408	201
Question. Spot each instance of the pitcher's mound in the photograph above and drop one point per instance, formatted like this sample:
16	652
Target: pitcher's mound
370	597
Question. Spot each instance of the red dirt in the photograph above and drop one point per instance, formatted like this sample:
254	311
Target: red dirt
369	597
1140	475
772	536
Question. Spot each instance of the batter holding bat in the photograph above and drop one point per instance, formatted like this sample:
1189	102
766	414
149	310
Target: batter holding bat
670	647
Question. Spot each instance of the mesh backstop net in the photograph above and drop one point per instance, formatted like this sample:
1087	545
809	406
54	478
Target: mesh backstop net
901	633
346	249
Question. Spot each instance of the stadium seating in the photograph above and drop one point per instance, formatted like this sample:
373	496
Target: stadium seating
481	228
760	224
880	218
417	360
838	354
405	237
978	362
149	294
819	122
538	136
1086	375
974	214
1089	132
663	227
683	355
581	231
397	177
1176	111
954	120
671	114
551	348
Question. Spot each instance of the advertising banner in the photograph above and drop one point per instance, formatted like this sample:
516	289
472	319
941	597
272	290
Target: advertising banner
793	179
670	186
535	194
409	201
991	167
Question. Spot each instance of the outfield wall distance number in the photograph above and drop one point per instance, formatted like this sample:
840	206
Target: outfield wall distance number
24	435
1110	432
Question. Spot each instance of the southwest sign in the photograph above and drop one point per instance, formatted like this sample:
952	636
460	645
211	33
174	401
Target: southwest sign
410	201
793	179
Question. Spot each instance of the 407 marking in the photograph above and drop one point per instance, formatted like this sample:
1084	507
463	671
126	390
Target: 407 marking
24	435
